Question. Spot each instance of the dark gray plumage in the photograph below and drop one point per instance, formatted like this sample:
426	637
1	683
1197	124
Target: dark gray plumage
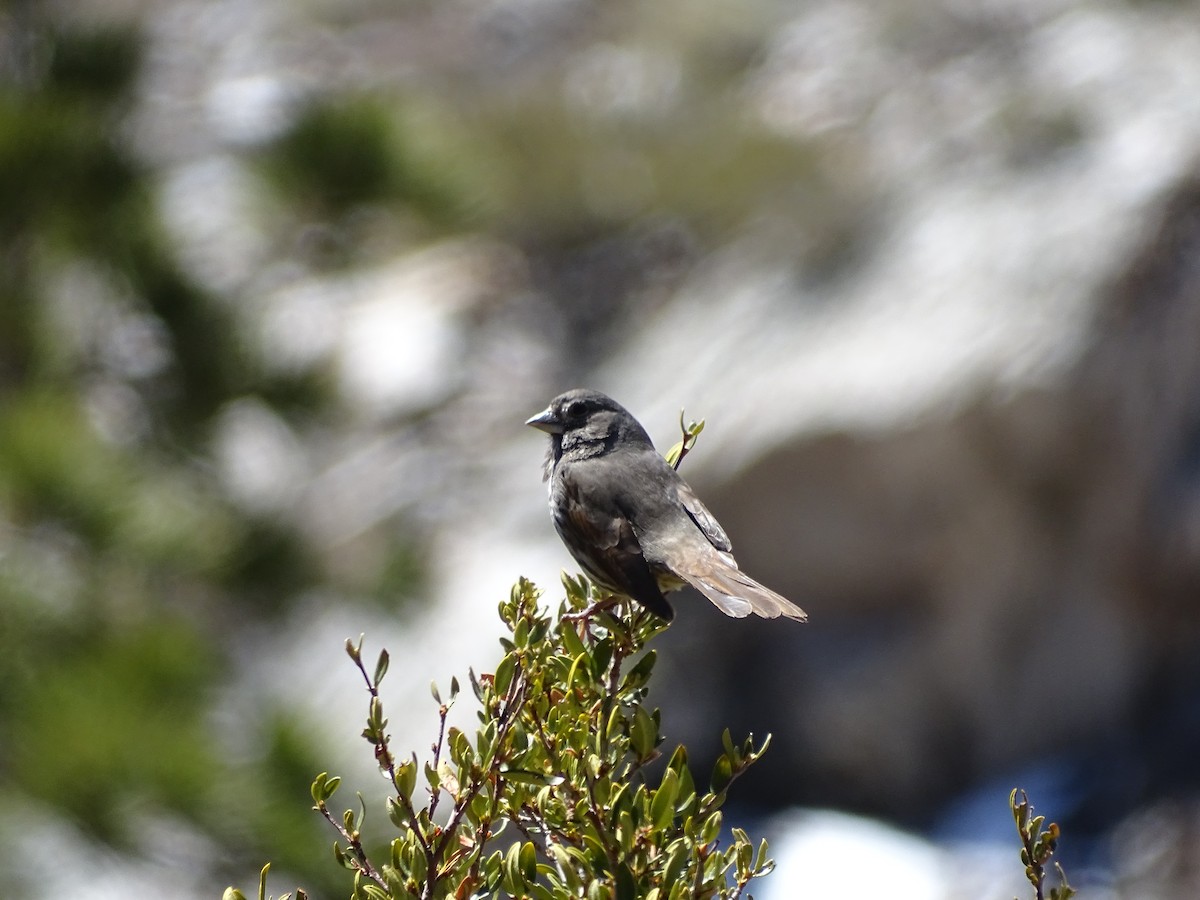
630	521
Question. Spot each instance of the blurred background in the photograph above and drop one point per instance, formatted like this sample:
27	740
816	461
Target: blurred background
280	281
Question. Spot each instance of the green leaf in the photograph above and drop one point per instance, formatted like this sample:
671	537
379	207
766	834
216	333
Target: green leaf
727	743
616	723
317	789
504	674
571	641
762	857
626	884
643	733
662	807
396	814
722	774
580	664
493	871
677	858
639	674
406	777
514	876
601	657
711	828
528	861
381	667
745	851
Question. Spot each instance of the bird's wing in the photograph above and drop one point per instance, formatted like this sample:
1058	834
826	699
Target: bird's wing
716	575
616	561
704	520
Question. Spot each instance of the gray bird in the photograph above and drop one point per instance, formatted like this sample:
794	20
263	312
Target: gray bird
630	521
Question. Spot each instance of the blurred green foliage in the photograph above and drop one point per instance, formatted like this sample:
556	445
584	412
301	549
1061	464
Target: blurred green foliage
117	723
125	566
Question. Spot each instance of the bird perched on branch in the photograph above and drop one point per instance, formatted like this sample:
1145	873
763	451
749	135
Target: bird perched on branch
630	520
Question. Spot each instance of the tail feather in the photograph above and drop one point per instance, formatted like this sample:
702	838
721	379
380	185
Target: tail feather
737	594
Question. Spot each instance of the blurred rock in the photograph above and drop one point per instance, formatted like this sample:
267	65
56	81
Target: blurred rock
1016	577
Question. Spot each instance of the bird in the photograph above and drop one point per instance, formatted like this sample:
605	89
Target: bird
629	519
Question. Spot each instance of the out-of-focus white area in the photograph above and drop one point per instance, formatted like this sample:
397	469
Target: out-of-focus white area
823	853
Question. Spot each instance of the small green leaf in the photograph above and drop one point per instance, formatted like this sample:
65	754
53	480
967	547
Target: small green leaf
504	674
419	867
396	813
570	640
710	829
381	667
722	774
616	723
626	884
601	657
662	807
727	743
580	664
678	759
762	858
677	858
406	777
528	861
514	879
493	871
639	674
643	734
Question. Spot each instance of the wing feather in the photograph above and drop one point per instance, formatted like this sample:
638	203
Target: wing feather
704	520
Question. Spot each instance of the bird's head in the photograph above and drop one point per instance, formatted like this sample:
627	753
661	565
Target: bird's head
587	423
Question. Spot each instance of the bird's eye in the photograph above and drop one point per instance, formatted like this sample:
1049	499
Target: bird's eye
576	409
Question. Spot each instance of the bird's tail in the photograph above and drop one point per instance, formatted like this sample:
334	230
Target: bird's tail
737	594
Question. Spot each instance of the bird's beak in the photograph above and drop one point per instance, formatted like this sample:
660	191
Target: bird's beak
546	421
